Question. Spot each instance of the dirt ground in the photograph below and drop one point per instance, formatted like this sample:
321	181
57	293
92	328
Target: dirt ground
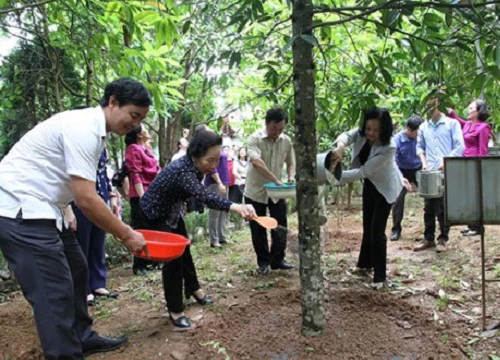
431	311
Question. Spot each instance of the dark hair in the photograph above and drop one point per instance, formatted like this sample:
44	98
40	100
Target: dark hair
482	108
276	115
131	136
414	122
246	156
126	91
199	128
385	120
201	142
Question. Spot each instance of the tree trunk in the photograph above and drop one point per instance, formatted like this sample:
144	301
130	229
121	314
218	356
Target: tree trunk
90	81
53	56
173	130
311	276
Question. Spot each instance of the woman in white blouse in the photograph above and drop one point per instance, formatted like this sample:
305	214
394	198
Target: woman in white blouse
240	168
373	160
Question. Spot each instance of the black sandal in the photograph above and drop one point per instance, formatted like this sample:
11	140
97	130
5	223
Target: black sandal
109	294
183	322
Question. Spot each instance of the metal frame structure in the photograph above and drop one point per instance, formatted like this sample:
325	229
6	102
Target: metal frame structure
477	187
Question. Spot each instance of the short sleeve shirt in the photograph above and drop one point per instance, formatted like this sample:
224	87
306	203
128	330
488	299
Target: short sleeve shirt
274	154
35	175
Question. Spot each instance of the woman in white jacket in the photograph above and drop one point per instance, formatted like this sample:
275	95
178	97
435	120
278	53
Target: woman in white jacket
373	159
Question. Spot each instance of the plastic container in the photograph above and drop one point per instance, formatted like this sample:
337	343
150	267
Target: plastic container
280	192
163	246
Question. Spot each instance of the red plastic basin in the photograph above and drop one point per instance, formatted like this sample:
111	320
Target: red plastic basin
163	246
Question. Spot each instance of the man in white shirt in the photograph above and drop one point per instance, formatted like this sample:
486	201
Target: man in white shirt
268	151
51	165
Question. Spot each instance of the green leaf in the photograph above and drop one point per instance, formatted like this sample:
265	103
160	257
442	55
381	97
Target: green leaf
473	340
479	81
186	27
146	17
225	54
176	83
174	92
387	76
432	19
392	17
449	19
113	7
160	35
258	7
311	39
172	62
235	59
289	44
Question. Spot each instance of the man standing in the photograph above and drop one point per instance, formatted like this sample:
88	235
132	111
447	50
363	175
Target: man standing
438	137
408	163
50	166
268	150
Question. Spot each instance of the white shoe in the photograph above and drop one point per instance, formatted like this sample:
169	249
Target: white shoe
377	285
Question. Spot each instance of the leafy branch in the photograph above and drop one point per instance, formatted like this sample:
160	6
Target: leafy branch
399	5
7	11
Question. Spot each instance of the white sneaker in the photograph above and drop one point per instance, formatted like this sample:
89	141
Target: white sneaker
377	285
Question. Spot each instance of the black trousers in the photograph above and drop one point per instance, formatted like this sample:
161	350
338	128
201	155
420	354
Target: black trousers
236	193
135	223
435	208
398	208
259	234
92	241
52	272
176	272
373	253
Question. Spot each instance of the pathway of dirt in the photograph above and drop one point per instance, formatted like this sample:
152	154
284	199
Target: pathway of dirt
260	318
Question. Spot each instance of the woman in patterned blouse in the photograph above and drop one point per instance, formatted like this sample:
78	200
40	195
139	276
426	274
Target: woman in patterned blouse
163	208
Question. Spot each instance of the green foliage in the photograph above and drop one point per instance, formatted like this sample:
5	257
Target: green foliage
202	59
194	220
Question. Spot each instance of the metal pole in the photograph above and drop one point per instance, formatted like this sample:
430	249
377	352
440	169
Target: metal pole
481	223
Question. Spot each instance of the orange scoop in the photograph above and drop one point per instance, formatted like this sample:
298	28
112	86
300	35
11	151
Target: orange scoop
163	246
266	222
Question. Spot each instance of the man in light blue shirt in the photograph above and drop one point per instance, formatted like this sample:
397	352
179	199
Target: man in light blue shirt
438	138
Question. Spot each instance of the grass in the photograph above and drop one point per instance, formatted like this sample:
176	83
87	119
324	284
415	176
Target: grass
442	303
496	271
220	349
447	283
102	312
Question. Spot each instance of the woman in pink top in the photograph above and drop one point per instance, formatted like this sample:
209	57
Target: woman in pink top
142	168
477	133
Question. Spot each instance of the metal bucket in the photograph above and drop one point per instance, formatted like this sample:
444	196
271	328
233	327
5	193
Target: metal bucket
324	174
430	184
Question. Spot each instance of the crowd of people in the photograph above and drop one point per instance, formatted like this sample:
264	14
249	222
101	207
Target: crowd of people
58	200
388	164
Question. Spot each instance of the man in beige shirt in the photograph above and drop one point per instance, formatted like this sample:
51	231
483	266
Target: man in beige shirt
268	150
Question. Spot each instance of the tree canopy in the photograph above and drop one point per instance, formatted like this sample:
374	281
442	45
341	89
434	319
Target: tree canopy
391	53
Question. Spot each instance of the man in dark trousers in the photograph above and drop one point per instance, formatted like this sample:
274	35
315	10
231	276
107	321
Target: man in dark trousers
268	151
408	163
53	164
